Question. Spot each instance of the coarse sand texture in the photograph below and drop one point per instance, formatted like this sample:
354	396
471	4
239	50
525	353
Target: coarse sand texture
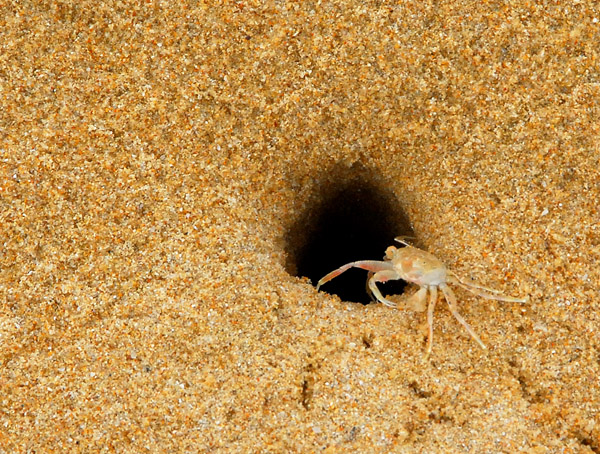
175	177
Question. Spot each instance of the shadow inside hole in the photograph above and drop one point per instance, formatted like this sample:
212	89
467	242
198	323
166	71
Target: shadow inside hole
353	217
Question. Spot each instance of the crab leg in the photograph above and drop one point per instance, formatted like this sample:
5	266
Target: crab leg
417	301
451	300
368	289
484	292
432	300
458	280
370	265
382	276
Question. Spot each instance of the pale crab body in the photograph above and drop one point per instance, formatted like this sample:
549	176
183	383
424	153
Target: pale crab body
417	266
424	270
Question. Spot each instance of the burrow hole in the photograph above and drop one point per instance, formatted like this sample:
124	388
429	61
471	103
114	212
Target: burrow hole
351	216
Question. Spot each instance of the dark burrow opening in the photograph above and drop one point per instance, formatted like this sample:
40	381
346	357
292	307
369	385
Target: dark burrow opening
351	216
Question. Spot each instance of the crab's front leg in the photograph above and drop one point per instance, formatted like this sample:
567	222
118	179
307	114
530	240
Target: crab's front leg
369	265
382	276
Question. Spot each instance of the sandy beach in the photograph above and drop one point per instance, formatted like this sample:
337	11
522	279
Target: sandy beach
175	177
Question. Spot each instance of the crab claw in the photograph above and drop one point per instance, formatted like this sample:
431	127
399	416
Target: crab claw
369	265
378	272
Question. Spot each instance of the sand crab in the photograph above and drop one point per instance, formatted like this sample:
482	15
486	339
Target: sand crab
429	273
